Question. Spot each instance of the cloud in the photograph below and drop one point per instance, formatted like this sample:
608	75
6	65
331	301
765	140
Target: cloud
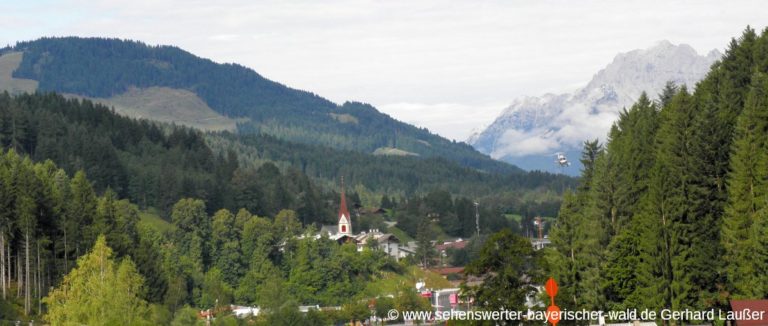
225	37
517	143
567	130
451	120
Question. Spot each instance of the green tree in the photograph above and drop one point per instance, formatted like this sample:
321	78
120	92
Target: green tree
81	211
407	299
26	210
502	261
226	246
561	256
670	215
747	190
257	235
666	95
425	250
215	291
287	224
98	292
260	271
193	230
185	316
576	253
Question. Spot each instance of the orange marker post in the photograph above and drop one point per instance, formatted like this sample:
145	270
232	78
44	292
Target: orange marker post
553	311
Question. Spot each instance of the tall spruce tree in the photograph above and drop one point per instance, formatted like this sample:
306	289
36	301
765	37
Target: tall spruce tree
632	151
681	206
561	255
588	233
747	193
670	209
576	253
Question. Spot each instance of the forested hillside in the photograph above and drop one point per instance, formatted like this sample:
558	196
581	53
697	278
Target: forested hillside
403	175
156	165
137	274
72	251
670	212
97	67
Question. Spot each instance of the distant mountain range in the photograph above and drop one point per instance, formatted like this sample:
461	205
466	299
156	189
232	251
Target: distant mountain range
168	84
533	128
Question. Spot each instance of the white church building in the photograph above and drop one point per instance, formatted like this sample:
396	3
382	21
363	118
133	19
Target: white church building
342	232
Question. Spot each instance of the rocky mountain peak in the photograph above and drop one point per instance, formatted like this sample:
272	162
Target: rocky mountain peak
541	125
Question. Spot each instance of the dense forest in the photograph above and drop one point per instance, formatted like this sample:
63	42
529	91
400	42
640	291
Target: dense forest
49	221
155	165
405	175
98	67
670	212
152	165
229	227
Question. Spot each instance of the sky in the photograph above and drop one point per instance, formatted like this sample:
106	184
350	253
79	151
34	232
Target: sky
449	66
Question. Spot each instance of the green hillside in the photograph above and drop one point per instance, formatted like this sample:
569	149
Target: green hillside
109	68
155	165
382	174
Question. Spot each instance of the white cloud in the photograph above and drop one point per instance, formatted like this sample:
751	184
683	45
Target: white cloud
451	120
517	143
575	125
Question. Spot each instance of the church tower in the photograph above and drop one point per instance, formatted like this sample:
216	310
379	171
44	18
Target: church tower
345	220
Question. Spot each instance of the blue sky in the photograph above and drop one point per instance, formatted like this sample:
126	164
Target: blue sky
450	66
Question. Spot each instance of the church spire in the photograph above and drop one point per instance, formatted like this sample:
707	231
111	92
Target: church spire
345	221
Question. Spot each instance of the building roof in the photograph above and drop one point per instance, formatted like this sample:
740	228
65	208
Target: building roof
388	237
329	229
342	238
343	211
751	306
376	235
449	270
458	244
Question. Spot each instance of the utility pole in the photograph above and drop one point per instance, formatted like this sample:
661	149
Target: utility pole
477	218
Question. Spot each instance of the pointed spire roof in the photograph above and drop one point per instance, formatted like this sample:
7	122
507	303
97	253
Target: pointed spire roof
343	207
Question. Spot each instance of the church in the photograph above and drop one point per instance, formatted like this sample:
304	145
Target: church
342	232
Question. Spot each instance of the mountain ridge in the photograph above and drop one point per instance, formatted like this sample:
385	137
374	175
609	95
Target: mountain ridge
105	68
532	128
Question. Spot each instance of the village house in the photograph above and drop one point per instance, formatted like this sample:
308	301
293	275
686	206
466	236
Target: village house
342	233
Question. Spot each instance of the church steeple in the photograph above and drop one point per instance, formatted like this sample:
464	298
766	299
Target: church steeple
345	220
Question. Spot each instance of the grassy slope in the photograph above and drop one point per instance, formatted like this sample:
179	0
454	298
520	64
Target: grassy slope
150	219
8	63
169	105
155	103
393	151
391	282
400	234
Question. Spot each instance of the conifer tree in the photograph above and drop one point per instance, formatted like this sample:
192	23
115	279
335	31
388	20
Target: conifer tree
425	251
668	210
747	192
561	256
632	151
588	233
81	211
666	95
